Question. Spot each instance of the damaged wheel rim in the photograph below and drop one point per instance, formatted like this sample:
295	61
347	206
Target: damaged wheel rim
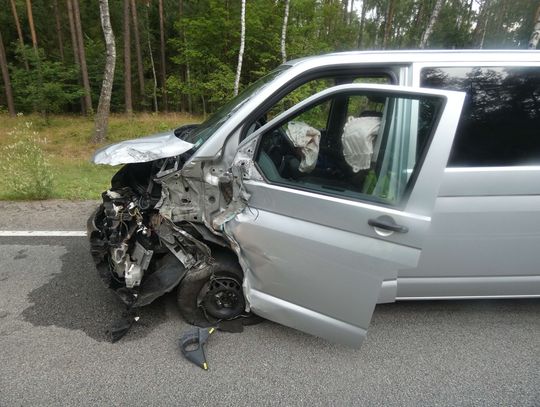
222	298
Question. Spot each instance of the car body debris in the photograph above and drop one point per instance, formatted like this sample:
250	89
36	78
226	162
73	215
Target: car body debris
192	345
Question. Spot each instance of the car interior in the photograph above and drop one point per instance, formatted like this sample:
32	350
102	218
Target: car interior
396	145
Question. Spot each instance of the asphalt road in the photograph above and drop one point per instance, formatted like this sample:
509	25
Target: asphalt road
54	312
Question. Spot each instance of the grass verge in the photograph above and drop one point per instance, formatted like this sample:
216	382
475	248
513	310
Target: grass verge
67	146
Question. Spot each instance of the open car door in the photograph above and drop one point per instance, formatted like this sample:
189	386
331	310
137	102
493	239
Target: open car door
342	187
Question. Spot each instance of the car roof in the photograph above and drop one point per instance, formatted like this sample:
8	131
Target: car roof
410	56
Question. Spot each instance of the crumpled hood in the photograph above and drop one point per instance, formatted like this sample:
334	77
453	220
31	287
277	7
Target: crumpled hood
144	149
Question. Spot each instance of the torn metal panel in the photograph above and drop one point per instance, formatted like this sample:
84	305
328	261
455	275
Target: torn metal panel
180	198
143	149
244	160
239	198
232	186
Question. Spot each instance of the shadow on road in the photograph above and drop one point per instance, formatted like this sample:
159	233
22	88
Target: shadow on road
76	298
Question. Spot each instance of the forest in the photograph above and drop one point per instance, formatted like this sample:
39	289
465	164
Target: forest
183	55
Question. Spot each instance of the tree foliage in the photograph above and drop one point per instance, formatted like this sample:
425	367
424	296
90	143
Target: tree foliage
202	40
52	90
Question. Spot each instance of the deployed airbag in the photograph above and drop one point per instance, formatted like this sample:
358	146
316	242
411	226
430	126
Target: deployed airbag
307	139
358	136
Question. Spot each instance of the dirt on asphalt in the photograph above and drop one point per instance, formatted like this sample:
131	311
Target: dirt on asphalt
54	214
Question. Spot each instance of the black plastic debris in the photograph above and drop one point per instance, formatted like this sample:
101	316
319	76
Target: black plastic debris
192	345
121	327
162	281
233	326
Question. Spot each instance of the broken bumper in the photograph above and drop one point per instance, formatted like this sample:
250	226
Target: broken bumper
163	277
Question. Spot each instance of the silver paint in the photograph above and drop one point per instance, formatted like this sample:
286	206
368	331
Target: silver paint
143	149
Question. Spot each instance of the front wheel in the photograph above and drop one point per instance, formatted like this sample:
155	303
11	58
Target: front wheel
214	293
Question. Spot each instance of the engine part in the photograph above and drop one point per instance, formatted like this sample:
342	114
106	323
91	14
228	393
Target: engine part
135	268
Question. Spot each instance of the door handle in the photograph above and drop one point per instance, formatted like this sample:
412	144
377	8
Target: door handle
387	223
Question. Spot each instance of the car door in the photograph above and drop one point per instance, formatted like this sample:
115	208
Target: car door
339	204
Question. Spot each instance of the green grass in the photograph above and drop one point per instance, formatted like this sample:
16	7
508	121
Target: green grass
80	180
68	148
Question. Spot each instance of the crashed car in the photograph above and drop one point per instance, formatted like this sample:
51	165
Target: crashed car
318	192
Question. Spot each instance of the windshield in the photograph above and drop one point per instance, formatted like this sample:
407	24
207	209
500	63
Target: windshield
209	127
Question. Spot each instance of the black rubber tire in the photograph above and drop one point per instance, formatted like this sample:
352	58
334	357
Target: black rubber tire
225	264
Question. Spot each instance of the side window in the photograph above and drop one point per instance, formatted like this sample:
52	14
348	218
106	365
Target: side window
332	147
306	89
297	95
500	122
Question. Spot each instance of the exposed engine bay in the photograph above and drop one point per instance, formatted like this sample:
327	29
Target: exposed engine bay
160	227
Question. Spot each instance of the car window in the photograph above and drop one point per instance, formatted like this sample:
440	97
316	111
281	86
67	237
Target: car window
203	132
362	145
297	95
500	122
307	88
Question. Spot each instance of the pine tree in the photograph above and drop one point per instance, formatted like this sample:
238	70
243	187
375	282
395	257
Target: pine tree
127	60
5	77
59	30
19	30
31	24
140	69
162	55
82	57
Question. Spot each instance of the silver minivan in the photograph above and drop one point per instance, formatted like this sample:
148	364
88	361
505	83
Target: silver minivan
334	183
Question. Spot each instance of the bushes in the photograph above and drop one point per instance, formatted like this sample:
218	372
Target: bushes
26	171
47	87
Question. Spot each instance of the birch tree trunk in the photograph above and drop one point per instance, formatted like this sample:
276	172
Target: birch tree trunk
162	55
432	20
102	115
140	69
479	32
284	32
5	77
59	30
484	31
535	36
127	60
31	24
82	58
19	30
241	51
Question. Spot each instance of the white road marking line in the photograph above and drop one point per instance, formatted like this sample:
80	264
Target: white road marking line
41	233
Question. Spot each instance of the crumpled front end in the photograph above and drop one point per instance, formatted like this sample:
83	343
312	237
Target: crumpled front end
162	221
133	245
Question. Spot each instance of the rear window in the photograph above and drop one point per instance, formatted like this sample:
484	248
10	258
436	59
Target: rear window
500	123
